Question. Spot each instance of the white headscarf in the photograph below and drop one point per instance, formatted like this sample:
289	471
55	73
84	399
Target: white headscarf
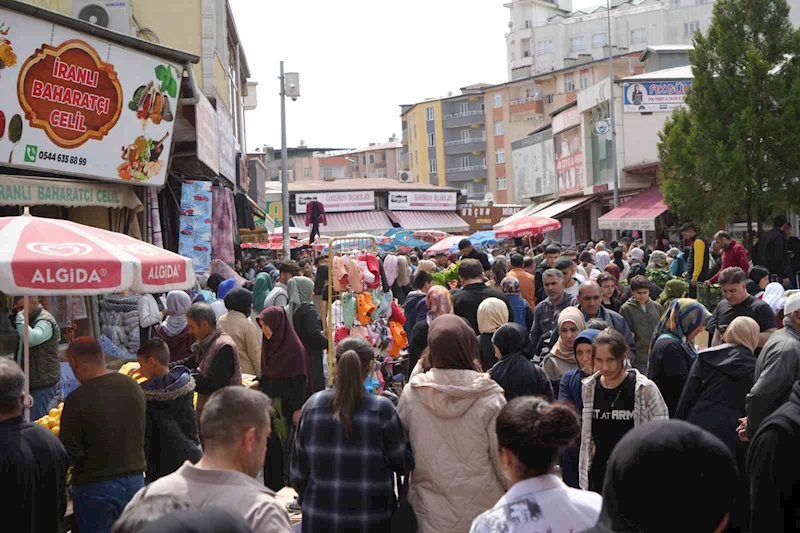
603	258
178	302
775	296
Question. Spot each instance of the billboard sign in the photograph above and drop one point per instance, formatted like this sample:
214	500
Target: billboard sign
337	202
569	162
422	201
655	96
533	165
69	101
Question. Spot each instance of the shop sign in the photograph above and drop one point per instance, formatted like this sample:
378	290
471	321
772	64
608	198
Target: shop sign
337	202
275	212
569	162
599	189
227	142
207	139
568	119
663	96
69	101
66	193
533	165
422	201
484	218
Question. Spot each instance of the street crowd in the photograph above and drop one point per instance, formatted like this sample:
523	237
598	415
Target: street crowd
555	388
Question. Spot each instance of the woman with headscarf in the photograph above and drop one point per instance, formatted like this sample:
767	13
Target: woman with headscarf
175	328
514	371
428	266
523	314
402	285
623	266
237	324
222	290
303	316
261	288
677	265
636	255
635	497
449	414
492	313
672	349
775	296
439	302
714	397
585	261
601	257
657	271
561	358
674	289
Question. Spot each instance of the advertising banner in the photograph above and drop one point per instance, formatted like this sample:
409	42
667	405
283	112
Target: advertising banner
568	119
194	239
569	162
422	201
207	140
337	202
533	165
75	104
655	96
227	143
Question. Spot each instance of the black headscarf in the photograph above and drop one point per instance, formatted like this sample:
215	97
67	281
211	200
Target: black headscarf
239	300
666	476
514	372
213	281
208	520
618	259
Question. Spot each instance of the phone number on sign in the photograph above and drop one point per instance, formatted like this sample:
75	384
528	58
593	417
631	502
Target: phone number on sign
63	158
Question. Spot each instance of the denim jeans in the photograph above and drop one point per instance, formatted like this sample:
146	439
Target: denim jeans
98	505
42	400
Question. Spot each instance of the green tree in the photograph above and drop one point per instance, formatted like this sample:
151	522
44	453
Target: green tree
735	152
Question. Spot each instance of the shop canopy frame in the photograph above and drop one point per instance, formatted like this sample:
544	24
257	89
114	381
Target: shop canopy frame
640	212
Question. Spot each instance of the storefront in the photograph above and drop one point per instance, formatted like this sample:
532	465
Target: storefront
421	210
486	218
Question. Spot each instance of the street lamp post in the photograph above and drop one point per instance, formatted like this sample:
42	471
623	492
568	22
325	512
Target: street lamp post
612	111
290	86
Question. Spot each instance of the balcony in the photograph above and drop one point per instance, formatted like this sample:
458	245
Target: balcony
466	118
466	173
465	146
529	104
518	73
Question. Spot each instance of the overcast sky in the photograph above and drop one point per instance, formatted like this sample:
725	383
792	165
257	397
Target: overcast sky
360	59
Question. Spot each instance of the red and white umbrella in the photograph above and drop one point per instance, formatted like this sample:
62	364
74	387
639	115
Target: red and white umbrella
430	235
274	243
529	226
445	245
45	256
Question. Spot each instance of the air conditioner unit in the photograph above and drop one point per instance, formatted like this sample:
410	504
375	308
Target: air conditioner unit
114	15
405	177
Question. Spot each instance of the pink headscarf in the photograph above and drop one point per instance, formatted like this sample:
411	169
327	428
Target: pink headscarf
390	268
439	302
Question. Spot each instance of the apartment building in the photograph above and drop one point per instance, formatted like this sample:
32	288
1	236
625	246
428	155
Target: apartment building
546	36
378	160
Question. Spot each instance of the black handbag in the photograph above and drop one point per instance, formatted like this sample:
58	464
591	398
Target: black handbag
404	520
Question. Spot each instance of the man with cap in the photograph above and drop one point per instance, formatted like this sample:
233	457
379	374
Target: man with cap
466	251
777	368
646	468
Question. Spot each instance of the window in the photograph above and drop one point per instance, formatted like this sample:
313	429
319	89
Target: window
431	140
544	48
690	28
548	99
586	79
528	24
569	83
465	161
500	156
501	183
464	107
416	157
371	159
497	99
599	40
576	44
327	172
499	128
526	53
433	166
429	113
639	36
465	135
363	160
291	175
307	172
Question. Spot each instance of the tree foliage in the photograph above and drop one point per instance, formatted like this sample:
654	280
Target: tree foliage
735	152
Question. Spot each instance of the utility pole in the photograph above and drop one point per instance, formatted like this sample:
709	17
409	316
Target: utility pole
612	111
287	253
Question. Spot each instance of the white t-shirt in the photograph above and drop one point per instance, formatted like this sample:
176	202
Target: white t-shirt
575	288
540	505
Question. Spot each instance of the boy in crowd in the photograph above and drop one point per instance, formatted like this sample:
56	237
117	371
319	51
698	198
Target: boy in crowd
642	315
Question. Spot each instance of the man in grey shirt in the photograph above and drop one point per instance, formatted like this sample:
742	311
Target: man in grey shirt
279	295
234	428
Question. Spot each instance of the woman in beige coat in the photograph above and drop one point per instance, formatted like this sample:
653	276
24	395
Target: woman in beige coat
449	413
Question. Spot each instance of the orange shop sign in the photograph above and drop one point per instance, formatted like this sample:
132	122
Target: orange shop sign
70	93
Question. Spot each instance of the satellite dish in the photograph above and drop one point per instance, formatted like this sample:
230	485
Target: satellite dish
302	142
449	93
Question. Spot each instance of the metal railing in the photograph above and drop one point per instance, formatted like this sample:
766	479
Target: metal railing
467	169
464	114
466	141
525	100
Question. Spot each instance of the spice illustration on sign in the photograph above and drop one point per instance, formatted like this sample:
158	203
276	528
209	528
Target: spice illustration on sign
70	93
14	134
151	103
7	56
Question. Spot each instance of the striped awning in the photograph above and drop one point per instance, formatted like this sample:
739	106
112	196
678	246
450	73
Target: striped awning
440	220
344	223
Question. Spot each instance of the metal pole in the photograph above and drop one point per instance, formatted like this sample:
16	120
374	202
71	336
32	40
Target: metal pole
26	355
287	254
612	111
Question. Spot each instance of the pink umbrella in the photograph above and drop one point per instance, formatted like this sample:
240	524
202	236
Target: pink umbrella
275	243
529	226
444	245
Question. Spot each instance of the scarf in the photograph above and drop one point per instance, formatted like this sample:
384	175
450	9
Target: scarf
561	350
299	289
452	344
224	288
775	296
427	265
743	331
602	258
261	288
673	290
390	266
492	313
178	302
681	318
510	338
618	259
658	259
283	355
403	272
439	303
586	336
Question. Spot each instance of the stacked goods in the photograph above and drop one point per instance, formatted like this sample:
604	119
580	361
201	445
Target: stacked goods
52	420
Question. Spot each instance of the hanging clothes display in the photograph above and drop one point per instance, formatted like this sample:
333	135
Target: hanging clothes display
154	235
222	225
315	215
194	236
244	215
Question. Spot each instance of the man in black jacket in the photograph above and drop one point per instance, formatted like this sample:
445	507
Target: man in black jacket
473	292
171	437
551	254
33	463
774	254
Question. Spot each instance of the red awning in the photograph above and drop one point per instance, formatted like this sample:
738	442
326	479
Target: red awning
344	223
440	220
640	212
